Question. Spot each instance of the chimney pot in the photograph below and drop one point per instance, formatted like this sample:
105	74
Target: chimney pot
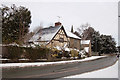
58	24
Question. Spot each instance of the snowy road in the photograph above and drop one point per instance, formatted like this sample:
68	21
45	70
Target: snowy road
110	72
58	71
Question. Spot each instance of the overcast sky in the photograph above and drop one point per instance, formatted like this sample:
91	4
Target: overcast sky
101	15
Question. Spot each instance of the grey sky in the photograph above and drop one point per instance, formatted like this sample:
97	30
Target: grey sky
119	24
103	16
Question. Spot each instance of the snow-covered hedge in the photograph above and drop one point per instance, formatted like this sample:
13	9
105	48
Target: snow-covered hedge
15	53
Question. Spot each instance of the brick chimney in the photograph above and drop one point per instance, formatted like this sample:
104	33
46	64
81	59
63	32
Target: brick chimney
58	24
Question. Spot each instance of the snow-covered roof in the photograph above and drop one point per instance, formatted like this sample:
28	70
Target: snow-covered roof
86	49
46	34
70	34
85	41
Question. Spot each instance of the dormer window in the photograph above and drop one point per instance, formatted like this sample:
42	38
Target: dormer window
39	38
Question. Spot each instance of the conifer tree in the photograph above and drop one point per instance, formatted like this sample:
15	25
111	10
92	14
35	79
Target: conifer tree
15	23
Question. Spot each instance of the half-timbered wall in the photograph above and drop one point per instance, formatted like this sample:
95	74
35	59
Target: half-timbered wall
60	39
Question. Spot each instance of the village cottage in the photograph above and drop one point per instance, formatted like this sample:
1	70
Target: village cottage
56	36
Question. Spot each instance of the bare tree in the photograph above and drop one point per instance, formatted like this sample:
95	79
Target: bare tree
38	28
30	34
27	37
82	28
87	33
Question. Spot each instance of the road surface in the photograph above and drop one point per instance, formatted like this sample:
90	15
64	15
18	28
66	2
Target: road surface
58	71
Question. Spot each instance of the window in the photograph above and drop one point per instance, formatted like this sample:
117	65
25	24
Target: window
61	40
75	43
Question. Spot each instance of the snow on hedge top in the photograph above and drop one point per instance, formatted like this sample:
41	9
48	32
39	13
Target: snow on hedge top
70	34
46	34
85	41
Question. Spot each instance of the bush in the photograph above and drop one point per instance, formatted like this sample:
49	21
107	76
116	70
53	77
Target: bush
60	54
74	53
55	53
65	54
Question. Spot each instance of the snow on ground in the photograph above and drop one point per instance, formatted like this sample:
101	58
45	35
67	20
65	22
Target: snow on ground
110	72
3	59
7	65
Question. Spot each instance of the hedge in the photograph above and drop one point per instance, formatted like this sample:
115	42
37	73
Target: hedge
15	53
